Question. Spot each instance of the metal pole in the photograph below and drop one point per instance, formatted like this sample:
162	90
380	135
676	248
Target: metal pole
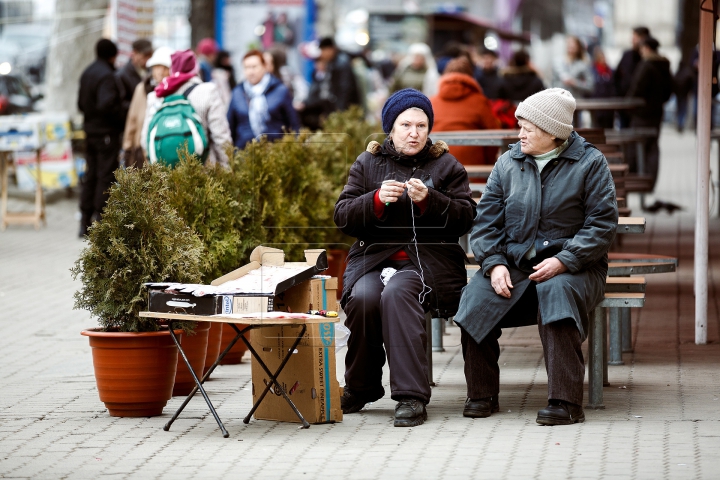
615	337
437	334
703	171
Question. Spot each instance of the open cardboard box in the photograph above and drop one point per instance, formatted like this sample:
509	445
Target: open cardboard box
255	287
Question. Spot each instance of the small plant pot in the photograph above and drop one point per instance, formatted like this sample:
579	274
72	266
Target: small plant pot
195	348
214	343
134	372
235	355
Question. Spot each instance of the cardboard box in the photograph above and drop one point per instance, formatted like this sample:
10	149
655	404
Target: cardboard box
314	294
309	377
176	298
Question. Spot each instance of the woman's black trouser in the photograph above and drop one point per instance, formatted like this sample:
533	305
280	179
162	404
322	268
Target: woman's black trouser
387	320
561	342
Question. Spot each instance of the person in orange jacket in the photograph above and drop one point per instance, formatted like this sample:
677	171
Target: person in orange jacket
461	105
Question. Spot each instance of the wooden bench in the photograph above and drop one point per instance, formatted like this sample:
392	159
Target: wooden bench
619	293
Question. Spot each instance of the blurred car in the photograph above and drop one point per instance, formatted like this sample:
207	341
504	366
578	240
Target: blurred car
25	48
15	96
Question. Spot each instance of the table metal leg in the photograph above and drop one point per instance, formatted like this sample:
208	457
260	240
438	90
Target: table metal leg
225	434
640	158
428	347
437	334
205	377
615	337
273	377
596	354
626	330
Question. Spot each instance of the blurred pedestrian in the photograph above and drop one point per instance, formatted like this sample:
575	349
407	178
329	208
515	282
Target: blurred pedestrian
417	70
520	78
99	101
333	88
260	105
133	72
223	75
573	72
276	64
207	52
684	84
652	82
488	75
204	99
461	105
159	67
626	68
604	88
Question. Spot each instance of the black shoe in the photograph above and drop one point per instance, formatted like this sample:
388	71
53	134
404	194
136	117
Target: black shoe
481	408
559	412
353	402
410	412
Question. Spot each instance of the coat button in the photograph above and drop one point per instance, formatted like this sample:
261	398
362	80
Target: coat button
546	243
362	244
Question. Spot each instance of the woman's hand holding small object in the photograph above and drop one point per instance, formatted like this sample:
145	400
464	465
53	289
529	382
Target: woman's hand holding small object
417	190
391	191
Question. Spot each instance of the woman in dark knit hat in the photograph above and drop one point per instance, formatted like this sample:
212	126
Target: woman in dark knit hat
407	201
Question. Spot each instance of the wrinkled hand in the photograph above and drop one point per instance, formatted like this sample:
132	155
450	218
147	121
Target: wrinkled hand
391	191
417	190
547	269
500	280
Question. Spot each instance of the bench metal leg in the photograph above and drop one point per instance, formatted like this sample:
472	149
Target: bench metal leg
429	347
437	334
615	337
626	330
596	364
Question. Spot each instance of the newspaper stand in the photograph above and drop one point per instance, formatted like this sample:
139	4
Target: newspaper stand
20	133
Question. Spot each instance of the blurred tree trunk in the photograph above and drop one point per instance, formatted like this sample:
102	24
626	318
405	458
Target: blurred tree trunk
202	20
72	49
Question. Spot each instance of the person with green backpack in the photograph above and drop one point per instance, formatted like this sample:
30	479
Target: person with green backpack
184	110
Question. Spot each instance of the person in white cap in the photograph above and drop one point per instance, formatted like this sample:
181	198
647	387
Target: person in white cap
544	225
159	66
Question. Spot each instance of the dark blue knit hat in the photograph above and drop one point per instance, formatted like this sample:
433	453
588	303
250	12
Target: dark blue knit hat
401	101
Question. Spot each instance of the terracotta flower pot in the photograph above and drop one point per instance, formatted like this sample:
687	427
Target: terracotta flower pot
336	267
195	348
214	343
235	355
134	372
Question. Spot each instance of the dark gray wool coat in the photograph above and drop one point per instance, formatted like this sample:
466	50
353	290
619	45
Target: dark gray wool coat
569	212
447	217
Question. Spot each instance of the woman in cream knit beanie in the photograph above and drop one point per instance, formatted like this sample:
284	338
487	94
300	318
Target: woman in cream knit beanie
550	110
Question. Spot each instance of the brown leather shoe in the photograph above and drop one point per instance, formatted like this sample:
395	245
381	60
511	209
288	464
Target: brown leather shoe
560	412
481	408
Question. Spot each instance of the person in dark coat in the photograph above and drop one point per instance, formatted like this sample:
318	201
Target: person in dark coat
333	88
521	80
261	105
543	228
488	76
604	87
652	82
407	202
133	72
626	69
99	101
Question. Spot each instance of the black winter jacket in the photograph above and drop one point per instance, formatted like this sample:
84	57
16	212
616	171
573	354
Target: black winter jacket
521	82
127	80
448	215
653	82
99	100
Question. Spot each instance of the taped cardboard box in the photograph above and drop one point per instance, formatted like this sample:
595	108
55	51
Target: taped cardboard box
308	378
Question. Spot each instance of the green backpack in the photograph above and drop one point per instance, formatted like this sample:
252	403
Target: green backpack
174	124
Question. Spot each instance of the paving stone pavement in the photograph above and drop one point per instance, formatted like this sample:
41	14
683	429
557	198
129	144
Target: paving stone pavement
662	418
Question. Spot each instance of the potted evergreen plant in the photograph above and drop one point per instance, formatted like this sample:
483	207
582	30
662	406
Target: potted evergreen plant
140	238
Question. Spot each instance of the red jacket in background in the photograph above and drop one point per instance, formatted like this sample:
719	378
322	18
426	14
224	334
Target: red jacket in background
461	105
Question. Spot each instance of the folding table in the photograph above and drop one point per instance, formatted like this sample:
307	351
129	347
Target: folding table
250	324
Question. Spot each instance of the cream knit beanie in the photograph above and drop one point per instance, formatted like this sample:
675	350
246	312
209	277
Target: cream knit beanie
551	110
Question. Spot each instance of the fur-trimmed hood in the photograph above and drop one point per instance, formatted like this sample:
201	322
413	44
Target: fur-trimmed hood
431	150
